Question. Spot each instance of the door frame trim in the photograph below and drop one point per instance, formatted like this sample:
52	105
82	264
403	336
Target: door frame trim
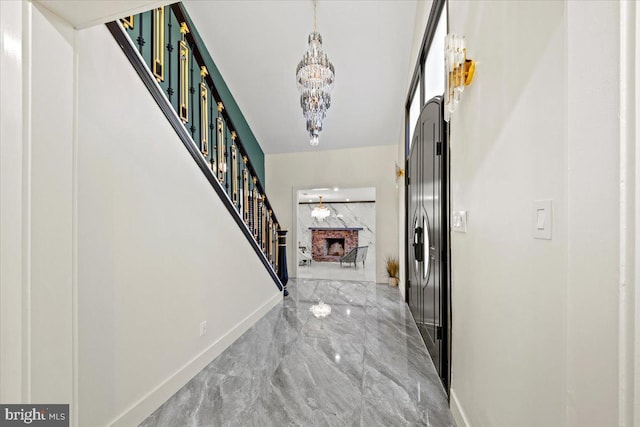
435	13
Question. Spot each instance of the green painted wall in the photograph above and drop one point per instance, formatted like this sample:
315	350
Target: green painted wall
170	84
243	129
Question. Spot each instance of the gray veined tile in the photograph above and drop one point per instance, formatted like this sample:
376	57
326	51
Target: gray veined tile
390	311
318	383
346	293
383	411
207	400
382	293
409	400
344	323
365	364
383	296
295	312
225	399
407	377
258	351
408	367
307	290
260	415
387	327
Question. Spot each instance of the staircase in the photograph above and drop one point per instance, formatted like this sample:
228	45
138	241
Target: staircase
166	51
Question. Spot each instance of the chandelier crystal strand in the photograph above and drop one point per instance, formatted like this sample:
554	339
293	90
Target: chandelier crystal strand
315	75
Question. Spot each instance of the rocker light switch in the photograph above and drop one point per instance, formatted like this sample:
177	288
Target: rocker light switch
540	222
542	219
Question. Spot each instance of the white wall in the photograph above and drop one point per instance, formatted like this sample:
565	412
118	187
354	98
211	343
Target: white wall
358	167
537	332
12	198
37	206
113	244
157	251
508	148
593	181
633	351
51	207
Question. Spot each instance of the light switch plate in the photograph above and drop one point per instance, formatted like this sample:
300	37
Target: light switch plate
459	221
542	219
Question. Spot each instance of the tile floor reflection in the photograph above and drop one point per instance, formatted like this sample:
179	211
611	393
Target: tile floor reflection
363	365
334	271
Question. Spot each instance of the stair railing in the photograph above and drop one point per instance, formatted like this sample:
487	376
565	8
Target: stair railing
167	53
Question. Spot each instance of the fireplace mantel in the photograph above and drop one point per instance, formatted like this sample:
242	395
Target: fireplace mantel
336	228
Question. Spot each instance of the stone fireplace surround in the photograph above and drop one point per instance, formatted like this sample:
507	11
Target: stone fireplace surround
319	238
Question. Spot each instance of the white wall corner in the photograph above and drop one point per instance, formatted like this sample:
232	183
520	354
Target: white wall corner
593	29
12	242
636	296
457	411
629	320
50	219
140	410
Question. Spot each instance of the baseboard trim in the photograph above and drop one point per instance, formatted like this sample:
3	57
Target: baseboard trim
140	410
458	413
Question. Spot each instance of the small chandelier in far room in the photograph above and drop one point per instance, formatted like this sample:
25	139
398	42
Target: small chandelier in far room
314	76
320	212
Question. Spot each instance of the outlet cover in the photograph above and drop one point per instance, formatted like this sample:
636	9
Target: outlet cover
459	221
203	328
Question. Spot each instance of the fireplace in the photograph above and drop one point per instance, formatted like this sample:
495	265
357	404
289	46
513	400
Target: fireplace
331	244
335	247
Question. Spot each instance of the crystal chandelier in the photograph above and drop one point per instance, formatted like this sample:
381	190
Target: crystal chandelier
320	212
315	75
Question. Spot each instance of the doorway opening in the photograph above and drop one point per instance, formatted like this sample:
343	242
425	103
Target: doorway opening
342	245
427	246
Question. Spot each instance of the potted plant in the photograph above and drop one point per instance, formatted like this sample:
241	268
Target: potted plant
393	270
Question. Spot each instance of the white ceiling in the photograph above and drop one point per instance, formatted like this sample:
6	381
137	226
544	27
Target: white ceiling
335	194
257	44
83	13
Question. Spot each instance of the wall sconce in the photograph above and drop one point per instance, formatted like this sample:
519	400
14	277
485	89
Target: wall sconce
460	72
399	173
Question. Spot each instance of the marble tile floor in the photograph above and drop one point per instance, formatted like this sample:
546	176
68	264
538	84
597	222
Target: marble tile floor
334	271
363	365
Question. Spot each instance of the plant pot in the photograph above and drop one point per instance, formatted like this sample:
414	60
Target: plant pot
393	281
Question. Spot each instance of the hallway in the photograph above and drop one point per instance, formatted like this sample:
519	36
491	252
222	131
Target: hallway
364	364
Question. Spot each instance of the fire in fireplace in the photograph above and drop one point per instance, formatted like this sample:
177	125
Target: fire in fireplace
335	247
